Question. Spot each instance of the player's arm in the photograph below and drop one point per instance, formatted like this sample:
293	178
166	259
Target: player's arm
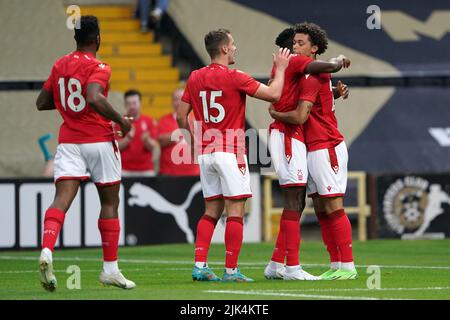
272	92
331	66
98	102
45	101
341	90
183	121
296	117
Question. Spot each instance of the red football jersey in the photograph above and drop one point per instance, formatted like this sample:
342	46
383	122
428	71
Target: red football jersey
321	129
167	125
218	95
289	95
135	157
68	82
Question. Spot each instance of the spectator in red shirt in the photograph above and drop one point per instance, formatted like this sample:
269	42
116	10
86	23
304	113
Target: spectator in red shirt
168	125
138	146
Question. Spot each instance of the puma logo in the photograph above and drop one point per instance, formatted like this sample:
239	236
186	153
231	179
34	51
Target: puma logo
142	195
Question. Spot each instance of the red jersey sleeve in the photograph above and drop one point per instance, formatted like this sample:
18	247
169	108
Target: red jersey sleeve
49	83
245	83
100	75
299	63
309	88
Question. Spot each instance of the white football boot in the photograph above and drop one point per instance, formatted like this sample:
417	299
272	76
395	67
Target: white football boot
298	274
48	279
116	279
274	274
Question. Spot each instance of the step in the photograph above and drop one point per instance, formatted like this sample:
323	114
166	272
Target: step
157	100
131	49
145	87
156	112
118	37
137	62
119	25
168	74
109	12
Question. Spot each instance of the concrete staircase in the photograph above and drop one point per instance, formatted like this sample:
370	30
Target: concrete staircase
136	60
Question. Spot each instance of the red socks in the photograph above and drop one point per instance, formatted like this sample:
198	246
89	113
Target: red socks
234	233
205	230
279	252
327	236
110	232
290	224
53	222
288	240
341	230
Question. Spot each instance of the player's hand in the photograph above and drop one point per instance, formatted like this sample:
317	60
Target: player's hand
271	110
281	59
342	89
344	60
125	126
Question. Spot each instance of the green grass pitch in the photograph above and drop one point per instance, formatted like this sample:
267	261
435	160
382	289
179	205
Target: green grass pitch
409	270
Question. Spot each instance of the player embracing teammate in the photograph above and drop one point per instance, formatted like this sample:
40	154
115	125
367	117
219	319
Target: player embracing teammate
217	96
327	159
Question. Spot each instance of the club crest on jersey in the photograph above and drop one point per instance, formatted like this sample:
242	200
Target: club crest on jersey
329	188
102	65
300	175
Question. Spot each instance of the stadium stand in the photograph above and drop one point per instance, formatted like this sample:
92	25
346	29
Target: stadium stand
27	60
398	61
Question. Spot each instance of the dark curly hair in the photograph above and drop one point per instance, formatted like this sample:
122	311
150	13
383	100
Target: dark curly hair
88	31
285	38
317	35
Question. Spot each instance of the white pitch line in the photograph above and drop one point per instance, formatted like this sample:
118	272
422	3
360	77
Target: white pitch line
292	295
366	289
221	262
59	271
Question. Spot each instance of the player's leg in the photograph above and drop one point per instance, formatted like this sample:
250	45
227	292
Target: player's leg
205	230
69	169
109	227
341	230
275	268
66	191
234	234
214	206
328	169
235	184
294	203
327	237
103	162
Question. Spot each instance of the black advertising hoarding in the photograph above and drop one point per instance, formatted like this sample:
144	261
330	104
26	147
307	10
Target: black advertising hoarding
413	206
157	210
151	210
162	210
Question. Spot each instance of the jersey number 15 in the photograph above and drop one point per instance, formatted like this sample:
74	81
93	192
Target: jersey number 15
212	105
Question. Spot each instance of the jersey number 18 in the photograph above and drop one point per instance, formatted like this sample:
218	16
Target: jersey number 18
76	107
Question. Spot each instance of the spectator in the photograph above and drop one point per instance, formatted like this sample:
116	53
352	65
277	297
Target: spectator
168	125
150	20
138	146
